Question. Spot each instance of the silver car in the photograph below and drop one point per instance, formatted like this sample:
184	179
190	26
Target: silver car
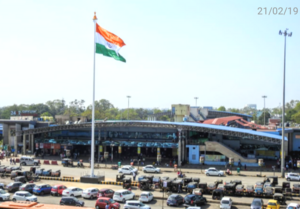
90	193
24	196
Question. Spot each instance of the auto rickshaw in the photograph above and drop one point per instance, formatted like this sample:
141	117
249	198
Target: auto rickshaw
278	189
47	172
187	180
286	185
268	192
198	191
141	177
259	183
267	184
33	168
3	169
237	182
274	180
191	186
239	190
165	178
287	192
296	188
67	162
221	187
167	185
56	173
14	174
230	188
258	191
217	194
249	191
203	186
157	182
120	177
175	185
144	184
39	171
150	178
212	186
280	198
20	179
126	183
196	180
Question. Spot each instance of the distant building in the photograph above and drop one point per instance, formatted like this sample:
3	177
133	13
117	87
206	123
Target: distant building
208	107
252	106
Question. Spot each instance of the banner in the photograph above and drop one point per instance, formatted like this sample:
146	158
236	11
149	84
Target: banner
139	150
120	149
158	151
36	145
100	148
52	146
41	145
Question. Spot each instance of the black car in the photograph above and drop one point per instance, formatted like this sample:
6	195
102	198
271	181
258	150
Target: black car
194	200
175	200
20	179
27	187
71	201
14	186
257	203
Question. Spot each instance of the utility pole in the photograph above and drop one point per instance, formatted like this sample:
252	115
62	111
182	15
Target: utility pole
264	109
128	107
285	33
196	100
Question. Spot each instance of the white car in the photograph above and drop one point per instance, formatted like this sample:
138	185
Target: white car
135	205
2	186
90	193
214	172
226	203
293	206
151	169
292	177
24	196
123	195
28	161
146	197
72	191
127	170
4	195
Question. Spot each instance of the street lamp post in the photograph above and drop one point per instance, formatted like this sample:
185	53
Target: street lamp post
196	100
128	106
285	33
264	96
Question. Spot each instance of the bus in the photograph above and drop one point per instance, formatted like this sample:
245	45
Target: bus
35	205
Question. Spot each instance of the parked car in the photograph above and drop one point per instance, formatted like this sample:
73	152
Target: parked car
4	195
2	186
13	186
123	195
175	200
90	193
24	196
72	191
146	197
57	190
273	204
127	170
103	201
226	203
106	193
71	201
27	187
194	200
214	172
151	169
24	160
293	206
292	177
257	203
42	189
135	205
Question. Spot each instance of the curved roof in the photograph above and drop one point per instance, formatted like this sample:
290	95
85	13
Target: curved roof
214	129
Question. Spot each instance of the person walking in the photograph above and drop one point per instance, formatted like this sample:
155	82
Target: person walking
10	161
133	175
245	167
287	167
179	188
107	206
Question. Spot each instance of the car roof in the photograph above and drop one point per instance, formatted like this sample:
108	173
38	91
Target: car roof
134	201
212	168
72	187
104	198
145	192
226	198
122	190
273	201
293	204
90	188
149	165
256	199
102	190
22	192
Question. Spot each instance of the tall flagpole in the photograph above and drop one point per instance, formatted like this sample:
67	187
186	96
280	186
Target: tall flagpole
93	110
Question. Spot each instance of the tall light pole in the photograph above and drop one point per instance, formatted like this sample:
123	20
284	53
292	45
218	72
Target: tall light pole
285	33
196	100
264	96
128	107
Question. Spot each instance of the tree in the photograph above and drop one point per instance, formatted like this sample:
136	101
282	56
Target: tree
233	110
56	107
297	107
261	118
222	108
289	114
46	114
296	117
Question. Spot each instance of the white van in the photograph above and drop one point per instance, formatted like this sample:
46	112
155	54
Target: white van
28	161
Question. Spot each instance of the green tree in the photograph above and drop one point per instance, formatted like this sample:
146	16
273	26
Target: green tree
289	114
56	107
222	108
233	110
297	107
261	118
296	117
46	114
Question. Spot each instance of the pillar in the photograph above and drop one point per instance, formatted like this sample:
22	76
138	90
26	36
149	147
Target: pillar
24	144
5	134
186	140
182	146
179	147
32	143
17	138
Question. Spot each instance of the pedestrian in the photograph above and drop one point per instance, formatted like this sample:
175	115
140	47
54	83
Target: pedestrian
245	167
133	175
179	188
287	167
10	161
14	162
107	206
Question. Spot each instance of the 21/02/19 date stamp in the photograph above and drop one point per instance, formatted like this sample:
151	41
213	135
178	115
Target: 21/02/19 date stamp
277	11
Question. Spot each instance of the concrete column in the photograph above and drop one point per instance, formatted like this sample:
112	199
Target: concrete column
32	143
5	134
186	138
182	147
17	138
24	144
179	147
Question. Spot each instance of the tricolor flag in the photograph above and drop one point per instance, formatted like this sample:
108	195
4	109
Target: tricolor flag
108	43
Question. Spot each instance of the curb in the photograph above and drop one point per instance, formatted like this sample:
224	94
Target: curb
59	179
117	183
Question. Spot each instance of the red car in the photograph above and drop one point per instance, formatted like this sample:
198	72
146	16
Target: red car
106	193
57	190
102	202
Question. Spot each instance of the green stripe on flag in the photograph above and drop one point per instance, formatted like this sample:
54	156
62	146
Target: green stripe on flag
100	49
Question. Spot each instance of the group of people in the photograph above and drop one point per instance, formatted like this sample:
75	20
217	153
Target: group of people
12	161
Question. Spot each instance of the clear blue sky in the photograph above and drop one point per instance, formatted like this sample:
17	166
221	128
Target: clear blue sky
220	51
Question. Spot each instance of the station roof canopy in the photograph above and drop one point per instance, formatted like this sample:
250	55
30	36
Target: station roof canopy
214	129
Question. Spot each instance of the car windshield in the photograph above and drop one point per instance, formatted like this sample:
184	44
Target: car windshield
271	203
28	195
144	194
130	168
291	207
37	187
117	193
111	201
10	184
75	199
256	203
172	198
226	202
55	187
2	192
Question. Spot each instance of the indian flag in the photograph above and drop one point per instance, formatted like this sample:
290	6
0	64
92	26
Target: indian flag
108	43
